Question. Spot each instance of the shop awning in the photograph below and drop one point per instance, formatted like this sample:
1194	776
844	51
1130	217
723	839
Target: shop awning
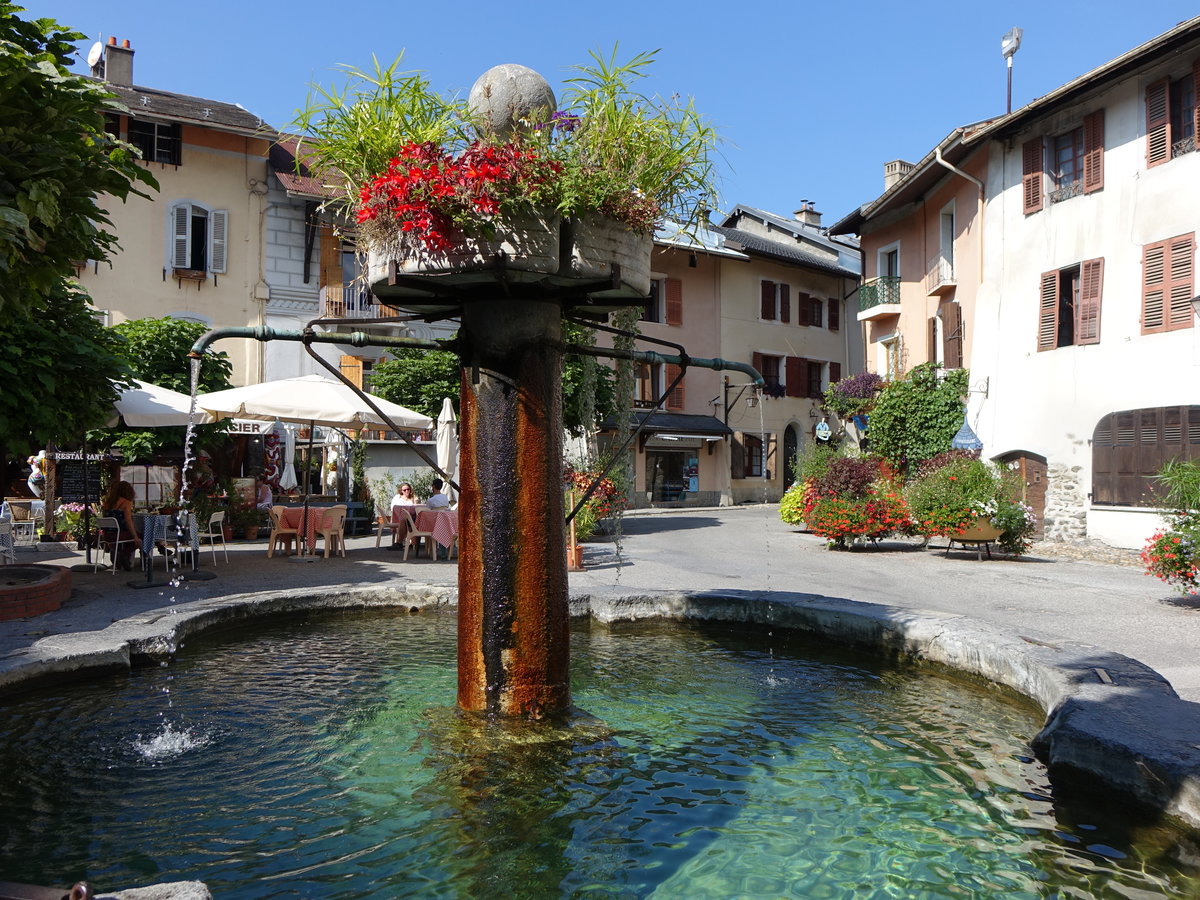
668	426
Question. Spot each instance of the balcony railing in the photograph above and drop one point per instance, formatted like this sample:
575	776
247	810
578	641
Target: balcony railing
878	291
939	276
353	302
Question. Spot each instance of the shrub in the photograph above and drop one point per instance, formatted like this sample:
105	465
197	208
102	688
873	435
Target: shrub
811	463
946	500
878	513
848	478
853	395
917	417
791	506
928	466
1173	554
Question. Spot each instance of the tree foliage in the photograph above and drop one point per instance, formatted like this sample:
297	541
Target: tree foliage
917	417
155	350
55	161
58	370
419	379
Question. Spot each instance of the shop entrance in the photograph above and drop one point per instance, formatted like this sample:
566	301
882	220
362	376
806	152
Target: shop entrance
671	474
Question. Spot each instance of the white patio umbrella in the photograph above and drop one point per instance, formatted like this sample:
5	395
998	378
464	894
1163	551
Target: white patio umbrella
447	443
312	400
150	406
287	479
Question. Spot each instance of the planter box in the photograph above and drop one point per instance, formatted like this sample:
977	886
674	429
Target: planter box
543	252
980	530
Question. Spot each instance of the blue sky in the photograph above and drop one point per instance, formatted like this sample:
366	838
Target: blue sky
810	98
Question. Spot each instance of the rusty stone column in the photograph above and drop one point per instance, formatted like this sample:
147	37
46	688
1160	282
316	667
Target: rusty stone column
513	639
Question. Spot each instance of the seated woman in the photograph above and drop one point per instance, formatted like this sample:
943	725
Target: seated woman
404	497
263	499
119	505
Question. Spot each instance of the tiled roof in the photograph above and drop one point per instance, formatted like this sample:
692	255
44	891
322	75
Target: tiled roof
303	181
143	101
792	226
761	246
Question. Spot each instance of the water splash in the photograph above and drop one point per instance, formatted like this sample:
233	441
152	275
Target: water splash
170	743
188	455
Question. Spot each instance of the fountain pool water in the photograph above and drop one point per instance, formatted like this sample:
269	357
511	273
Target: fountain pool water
325	758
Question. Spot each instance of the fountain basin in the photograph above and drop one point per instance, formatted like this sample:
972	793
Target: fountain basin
321	757
1124	732
30	590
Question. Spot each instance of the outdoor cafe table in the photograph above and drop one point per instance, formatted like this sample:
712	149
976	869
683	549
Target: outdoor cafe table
319	517
157	527
442	523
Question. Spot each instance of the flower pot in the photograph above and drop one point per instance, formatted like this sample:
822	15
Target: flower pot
980	529
252	532
227	532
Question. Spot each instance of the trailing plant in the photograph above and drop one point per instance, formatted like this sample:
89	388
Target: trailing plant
853	395
607	500
880	511
917	416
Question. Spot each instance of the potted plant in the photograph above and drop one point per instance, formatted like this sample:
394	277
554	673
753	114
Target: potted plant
855	499
68	521
1173	553
432	186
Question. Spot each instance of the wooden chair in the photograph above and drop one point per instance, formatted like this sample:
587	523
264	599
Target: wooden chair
280	533
108	532
333	531
215	532
413	535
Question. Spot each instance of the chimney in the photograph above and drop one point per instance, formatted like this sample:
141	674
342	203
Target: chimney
894	171
807	213
118	63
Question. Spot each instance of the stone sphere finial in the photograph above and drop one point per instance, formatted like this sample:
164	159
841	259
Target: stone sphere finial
505	94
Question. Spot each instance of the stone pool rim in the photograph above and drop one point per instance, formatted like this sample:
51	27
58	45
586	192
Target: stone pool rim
1108	717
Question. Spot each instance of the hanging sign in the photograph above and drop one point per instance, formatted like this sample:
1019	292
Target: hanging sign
822	431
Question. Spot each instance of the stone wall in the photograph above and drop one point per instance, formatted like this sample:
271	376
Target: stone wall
1066	503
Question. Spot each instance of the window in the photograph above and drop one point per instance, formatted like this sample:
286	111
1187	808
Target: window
1069	305
358	369
813	379
112	124
769	367
653	308
159	142
1076	163
775	301
1068	165
1128	449
816	306
1168	279
1172	117
889	261
1031	175
198	237
649	385
752	456
890	364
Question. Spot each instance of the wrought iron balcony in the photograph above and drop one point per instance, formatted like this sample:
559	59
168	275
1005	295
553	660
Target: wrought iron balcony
353	302
939	276
879	297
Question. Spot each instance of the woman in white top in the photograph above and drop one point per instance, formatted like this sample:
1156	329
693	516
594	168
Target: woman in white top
404	497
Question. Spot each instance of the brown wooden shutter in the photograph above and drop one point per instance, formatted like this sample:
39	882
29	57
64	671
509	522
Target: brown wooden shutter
1158	123
785	303
675	398
952	349
803	308
756	360
674	301
352	368
769	447
1087	316
767	306
1104	489
835	314
835	372
331	258
931	339
1032	156
795	373
1093	151
1181	269
1048	312
737	456
1153	287
1196	99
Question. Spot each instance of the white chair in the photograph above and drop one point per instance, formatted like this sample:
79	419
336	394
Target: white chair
215	532
333	531
109	539
383	523
412	535
280	533
7	551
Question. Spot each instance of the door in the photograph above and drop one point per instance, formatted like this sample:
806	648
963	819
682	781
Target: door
1032	469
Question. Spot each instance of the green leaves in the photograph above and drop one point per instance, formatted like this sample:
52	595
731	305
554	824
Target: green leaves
917	417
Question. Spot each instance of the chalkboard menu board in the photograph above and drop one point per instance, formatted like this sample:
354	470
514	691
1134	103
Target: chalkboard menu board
69	474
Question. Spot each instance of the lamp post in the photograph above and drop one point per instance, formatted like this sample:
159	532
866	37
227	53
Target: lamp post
751	401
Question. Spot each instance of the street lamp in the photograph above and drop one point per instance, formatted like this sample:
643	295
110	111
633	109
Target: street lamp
1009	44
751	401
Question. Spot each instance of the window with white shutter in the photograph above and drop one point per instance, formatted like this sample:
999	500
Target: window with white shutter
198	239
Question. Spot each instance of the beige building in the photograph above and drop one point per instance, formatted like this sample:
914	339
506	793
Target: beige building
193	250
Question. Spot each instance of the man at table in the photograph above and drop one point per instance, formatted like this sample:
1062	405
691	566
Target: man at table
437	500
